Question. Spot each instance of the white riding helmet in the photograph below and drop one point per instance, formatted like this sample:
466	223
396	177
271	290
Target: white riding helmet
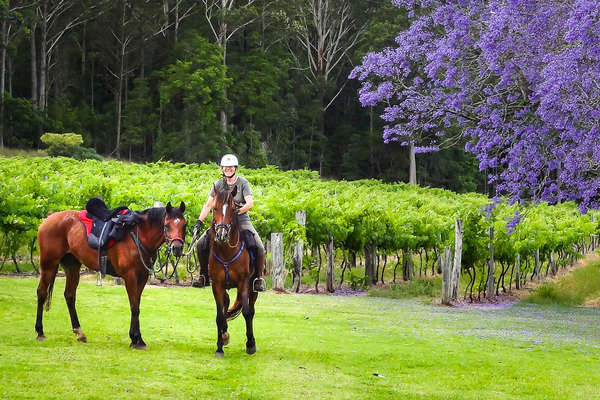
229	160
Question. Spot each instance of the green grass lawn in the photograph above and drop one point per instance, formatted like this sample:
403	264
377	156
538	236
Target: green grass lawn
309	346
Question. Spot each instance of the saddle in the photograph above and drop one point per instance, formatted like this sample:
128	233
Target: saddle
105	227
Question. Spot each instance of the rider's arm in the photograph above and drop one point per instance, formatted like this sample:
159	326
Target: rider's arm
249	204
206	209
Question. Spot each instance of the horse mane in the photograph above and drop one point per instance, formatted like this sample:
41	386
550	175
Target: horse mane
154	215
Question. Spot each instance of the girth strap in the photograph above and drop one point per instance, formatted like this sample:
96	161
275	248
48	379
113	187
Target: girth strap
226	264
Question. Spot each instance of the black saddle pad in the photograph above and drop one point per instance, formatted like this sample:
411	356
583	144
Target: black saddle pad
98	209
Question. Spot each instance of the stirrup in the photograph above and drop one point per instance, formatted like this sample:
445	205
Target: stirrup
259	285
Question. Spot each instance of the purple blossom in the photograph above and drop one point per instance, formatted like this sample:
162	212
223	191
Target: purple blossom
521	78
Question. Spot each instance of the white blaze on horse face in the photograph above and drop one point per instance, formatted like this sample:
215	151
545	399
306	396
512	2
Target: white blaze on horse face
224	210
176	221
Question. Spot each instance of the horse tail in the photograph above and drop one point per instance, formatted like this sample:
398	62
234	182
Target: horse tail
48	301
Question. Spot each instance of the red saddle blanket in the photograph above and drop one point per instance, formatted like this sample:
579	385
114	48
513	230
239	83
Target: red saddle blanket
87	222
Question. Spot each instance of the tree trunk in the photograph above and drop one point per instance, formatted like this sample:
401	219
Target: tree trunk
537	265
518	272
43	61
412	176
34	79
408	268
370	254
3	77
352	259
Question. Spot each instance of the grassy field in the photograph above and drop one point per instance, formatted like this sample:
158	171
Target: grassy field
309	346
572	289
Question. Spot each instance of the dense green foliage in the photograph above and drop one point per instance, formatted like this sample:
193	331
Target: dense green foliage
393	217
326	347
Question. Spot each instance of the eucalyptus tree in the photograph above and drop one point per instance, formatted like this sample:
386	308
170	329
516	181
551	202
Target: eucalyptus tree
12	24
326	31
226	18
191	93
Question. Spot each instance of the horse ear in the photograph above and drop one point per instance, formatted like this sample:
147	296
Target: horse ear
182	207
234	191
169	207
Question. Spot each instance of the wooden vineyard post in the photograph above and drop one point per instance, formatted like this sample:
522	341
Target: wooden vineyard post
446	264
330	253
298	252
456	265
278	266
490	270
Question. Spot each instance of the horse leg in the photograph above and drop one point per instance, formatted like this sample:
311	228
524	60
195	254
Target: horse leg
72	270
44	295
248	300
225	333
133	292
218	294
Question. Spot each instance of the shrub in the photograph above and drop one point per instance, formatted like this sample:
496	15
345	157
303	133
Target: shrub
61	139
68	145
358	280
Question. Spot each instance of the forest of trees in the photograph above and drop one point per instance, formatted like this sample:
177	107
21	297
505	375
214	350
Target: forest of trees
188	80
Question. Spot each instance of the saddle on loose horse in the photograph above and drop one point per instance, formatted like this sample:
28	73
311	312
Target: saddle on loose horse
105	227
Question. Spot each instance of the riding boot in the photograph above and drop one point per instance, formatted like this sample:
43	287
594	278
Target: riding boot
259	284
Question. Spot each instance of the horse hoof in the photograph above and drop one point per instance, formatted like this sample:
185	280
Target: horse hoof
138	346
251	350
219	354
41	338
225	338
80	335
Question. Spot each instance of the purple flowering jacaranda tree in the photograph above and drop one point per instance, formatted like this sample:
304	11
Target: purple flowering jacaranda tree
519	78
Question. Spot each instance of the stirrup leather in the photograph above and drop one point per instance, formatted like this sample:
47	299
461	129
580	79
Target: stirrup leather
259	285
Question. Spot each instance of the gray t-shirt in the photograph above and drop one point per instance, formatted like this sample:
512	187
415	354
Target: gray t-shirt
243	190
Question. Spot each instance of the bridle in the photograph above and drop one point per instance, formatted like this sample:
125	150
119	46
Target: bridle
170	240
144	250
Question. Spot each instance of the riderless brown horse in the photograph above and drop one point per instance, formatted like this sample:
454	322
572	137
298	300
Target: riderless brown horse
62	240
229	267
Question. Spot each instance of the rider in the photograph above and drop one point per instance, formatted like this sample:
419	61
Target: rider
244	202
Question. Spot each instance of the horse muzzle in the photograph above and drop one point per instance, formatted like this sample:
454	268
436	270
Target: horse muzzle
176	246
222	232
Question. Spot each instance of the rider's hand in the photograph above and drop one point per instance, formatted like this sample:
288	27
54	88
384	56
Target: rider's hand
198	227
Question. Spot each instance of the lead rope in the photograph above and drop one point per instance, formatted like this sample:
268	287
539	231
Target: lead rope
141	248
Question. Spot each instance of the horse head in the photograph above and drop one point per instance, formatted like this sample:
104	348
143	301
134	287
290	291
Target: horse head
174	227
224	214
